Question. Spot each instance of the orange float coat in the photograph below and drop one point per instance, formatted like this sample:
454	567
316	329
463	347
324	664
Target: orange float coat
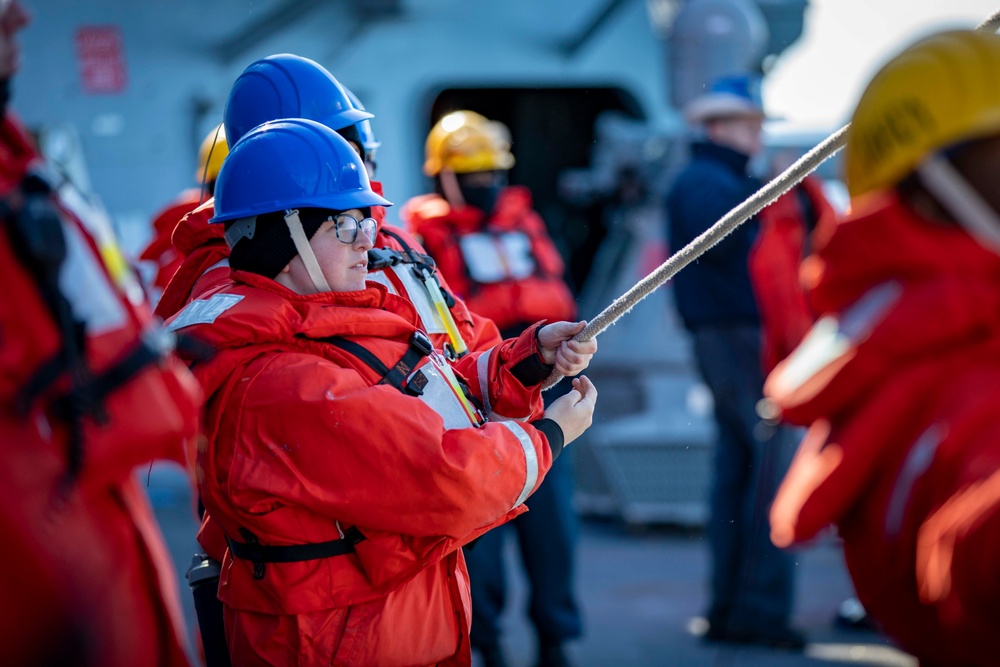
506	268
303	444
781	245
900	380
108	581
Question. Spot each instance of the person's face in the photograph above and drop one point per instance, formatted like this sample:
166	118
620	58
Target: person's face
741	133
13	18
344	265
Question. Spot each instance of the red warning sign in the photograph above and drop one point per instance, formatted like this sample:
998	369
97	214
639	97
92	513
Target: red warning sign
102	59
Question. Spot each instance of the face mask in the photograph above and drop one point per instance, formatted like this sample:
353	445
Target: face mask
483	197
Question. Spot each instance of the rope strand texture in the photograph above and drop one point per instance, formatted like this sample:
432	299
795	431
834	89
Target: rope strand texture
736	217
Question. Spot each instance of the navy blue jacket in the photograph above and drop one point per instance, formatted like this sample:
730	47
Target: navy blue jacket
716	288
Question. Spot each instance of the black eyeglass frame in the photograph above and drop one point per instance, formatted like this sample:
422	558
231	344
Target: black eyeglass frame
359	225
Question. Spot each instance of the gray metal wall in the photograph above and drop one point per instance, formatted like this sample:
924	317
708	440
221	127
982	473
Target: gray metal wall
182	55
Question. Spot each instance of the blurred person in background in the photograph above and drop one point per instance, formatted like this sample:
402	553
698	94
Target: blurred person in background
352	466
160	250
783	242
90	390
751	581
493	249
900	377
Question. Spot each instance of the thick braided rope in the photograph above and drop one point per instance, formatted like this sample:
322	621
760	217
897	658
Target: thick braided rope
736	217
802	167
991	24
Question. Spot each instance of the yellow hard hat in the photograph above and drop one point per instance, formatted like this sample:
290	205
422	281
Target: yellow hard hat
464	141
213	151
941	91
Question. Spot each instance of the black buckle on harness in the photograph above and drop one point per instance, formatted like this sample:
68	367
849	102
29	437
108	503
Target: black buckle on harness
259	554
381	258
420	347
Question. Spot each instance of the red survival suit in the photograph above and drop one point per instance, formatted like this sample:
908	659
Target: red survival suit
205	267
68	500
305	447
777	253
505	268
901	381
160	250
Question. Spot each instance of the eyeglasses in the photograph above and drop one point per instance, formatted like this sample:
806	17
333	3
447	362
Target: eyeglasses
346	227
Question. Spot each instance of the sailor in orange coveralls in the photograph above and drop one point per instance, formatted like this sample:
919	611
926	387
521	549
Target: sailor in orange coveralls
160	250
494	251
347	461
90	390
900	378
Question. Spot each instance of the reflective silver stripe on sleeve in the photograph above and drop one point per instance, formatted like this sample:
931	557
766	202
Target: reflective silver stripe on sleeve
204	311
530	459
483	369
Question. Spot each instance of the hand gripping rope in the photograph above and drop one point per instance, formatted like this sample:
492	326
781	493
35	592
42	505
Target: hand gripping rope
736	217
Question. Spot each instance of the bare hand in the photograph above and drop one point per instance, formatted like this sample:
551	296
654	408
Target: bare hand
570	357
574	412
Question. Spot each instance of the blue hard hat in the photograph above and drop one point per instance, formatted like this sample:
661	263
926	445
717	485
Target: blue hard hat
367	136
291	163
745	86
287	86
733	95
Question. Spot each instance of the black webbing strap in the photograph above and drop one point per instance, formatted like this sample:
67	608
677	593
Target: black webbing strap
101	386
44	377
259	554
420	347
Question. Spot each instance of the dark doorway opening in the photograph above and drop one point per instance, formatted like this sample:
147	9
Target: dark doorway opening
552	130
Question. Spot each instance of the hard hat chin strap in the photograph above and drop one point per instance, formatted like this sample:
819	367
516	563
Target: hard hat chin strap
305	250
961	200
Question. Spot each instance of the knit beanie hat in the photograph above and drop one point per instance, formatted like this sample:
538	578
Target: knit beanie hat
263	245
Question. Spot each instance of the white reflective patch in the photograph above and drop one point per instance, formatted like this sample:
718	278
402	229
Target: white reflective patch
86	286
831	337
858	321
491	258
418	295
530	460
221	264
918	460
483	371
516	248
482	258
382	278
204	311
440	397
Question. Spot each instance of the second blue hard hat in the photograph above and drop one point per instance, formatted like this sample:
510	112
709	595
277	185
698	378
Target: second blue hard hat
287	86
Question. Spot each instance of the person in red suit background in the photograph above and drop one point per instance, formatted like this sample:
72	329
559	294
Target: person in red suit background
775	256
899	380
493	250
160	250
